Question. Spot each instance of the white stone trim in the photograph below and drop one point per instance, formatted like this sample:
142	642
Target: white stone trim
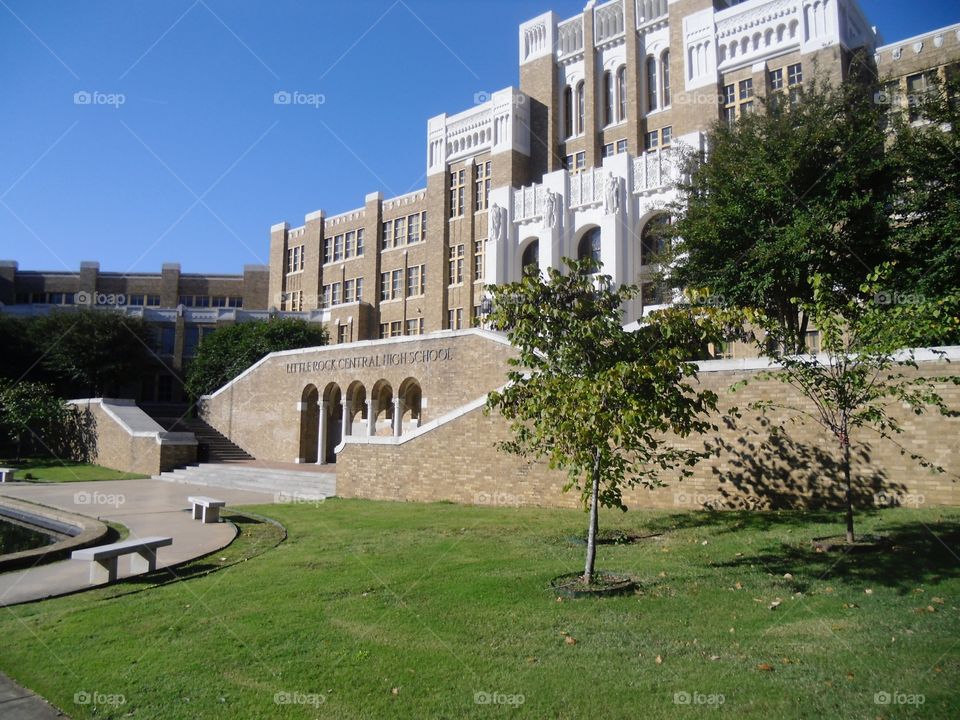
161	436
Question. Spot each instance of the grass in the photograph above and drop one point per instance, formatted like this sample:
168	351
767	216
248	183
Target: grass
47	470
375	610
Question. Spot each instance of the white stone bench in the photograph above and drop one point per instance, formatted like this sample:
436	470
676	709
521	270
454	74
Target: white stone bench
206	508
6	474
103	559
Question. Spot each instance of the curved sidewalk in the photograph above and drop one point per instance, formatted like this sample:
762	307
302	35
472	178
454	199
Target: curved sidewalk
145	507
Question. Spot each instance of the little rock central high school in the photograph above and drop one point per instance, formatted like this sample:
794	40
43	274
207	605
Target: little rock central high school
578	161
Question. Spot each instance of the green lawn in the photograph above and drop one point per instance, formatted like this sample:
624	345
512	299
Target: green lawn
383	610
50	470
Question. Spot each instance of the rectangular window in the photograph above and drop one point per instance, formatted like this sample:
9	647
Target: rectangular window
795	74
666	135
918	86
384	286
415	327
191	339
384	330
568	162
478	255
457	182
746	89
136	300
234	302
348	244
335	294
348	286
168	339
581	160
652	140
396	328
399	231
359	242
186	300
746	108
413	229
455	318
338	248
386	235
729	95
219	301
343	334
665	71
608	150
730	115
621	147
414	286
396	280
455	265
776	79
423	226
359	289
327	250
289	260
201	301
482	179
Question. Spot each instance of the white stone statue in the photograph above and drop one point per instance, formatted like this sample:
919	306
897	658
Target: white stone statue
612	199
496	222
551	207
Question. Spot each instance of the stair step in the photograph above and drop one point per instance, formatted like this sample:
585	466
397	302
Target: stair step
270	480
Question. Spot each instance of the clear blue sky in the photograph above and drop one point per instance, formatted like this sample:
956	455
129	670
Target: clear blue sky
198	161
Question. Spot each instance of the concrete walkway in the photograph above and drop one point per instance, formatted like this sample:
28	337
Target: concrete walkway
17	703
145	507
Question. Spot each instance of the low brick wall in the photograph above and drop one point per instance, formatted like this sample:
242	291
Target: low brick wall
127	439
458	461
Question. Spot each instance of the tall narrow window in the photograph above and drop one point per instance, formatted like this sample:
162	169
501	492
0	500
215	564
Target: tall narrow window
589	246
608	98
568	112
651	84
580	107
665	71
622	91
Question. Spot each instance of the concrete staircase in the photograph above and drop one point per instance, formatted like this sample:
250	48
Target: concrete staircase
287	485
213	447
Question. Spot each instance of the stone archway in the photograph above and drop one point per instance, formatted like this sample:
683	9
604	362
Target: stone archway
410	397
356	404
331	425
309	424
380	412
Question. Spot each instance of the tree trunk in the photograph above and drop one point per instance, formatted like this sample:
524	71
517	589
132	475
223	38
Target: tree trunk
846	476
592	529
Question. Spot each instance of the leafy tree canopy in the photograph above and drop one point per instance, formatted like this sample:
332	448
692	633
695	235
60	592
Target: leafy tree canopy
229	351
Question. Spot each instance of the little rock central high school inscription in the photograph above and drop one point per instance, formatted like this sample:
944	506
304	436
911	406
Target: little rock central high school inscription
383	360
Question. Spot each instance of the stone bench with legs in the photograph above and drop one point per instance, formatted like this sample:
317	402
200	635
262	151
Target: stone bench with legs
206	508
104	558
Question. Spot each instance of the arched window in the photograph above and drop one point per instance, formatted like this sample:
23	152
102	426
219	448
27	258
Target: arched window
665	71
651	84
622	91
531	256
568	112
580	107
589	246
655	239
608	98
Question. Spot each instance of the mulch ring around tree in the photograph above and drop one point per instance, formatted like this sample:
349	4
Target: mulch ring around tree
605	584
862	544
613	537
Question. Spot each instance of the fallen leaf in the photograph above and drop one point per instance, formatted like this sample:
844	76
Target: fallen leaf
738	586
714	657
395	691
569	640
868	591
937	600
828	589
787	576
849	676
931	608
765	667
704	542
659	660
775	604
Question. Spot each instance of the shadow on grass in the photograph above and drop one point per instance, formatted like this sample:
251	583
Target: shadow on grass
916	553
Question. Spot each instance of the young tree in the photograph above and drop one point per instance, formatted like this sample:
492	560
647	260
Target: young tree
798	188
229	351
861	373
592	398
